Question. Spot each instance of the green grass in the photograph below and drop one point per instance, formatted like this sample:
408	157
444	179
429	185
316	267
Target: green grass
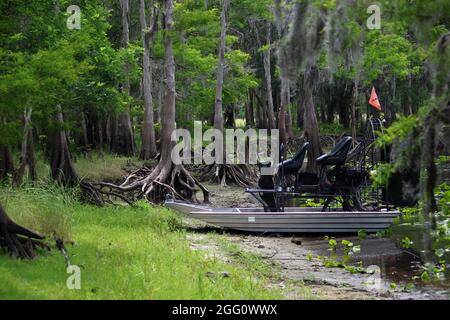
332	129
123	253
107	167
95	167
240	123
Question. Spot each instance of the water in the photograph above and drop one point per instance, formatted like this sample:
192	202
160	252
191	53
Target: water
398	266
408	265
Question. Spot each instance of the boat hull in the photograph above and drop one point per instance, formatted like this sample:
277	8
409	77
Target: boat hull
293	220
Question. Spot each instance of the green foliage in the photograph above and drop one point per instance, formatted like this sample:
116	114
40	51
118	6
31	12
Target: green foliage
314	203
410	214
443	196
107	167
332	129
355	269
46	64
432	271
332	243
406	243
195	50
347	245
399	130
333	262
362	234
123	252
388	56
380	176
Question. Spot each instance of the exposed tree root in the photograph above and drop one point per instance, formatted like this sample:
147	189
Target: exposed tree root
152	185
238	174
19	241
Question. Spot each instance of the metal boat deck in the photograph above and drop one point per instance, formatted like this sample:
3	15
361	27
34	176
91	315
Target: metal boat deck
292	220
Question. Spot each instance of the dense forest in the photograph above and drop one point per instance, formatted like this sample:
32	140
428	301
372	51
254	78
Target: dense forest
80	79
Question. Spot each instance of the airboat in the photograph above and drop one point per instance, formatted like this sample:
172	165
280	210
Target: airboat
343	199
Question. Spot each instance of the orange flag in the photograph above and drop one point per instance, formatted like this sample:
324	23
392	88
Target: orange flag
373	101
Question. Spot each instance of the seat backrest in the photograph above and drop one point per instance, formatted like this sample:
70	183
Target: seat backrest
300	155
281	153
341	149
338	155
292	166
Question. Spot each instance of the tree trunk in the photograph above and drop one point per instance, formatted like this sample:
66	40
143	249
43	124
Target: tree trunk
343	102
84	132
438	115
264	109
229	117
249	111
408	110
109	133
261	111
27	155
100	134
300	109
6	162
148	132
221	172
218	107
289	130
62	169
386	105
160	99
268	79
124	144
282	112
168	112
259	122
330	109
311	129
437	118
353	118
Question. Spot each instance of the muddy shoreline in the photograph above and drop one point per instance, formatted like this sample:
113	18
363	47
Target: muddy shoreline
300	258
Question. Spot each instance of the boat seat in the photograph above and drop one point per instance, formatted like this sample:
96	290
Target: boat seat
292	166
264	164
338	155
268	163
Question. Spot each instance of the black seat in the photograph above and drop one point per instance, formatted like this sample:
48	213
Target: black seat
338	155
292	166
268	163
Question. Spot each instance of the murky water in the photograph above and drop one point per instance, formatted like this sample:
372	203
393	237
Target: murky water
398	267
409	263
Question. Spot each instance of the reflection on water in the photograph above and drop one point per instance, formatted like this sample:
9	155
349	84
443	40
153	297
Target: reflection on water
408	264
397	265
403	266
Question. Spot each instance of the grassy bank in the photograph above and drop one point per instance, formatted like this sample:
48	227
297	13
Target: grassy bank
123	253
94	166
